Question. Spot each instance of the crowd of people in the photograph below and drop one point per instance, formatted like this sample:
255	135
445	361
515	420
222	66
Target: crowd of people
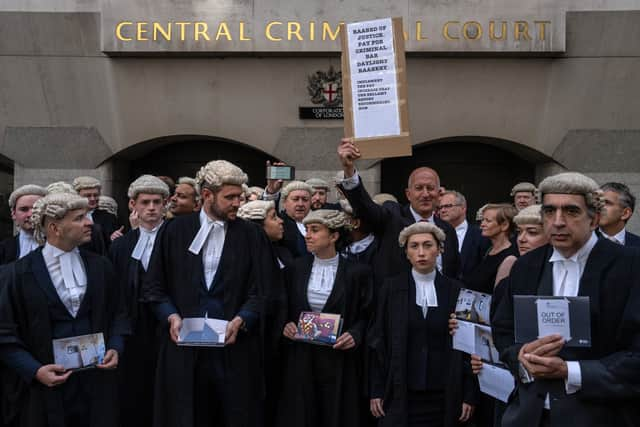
259	258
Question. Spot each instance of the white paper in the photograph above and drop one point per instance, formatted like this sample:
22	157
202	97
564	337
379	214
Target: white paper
465	337
553	318
80	351
473	338
496	382
373	79
202	332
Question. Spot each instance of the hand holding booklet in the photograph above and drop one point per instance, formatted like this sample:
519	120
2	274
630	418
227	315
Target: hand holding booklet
79	352
319	328
202	332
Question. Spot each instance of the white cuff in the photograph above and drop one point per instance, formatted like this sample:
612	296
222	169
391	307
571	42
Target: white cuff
573	383
351	182
269	197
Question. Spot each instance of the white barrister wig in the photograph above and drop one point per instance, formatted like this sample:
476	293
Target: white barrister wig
295	186
256	210
108	204
331	218
256	190
148	184
60	187
85	182
192	182
381	198
317	183
574	183
346	207
217	173
54	206
26	190
480	212
522	187
529	215
422	228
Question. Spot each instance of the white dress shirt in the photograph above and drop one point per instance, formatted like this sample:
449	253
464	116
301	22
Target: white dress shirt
617	238
425	290
321	280
461	231
26	242
566	282
301	228
68	276
209	240
144	245
362	244
90	215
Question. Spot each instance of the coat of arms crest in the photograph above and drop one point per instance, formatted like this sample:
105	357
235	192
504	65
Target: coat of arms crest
326	87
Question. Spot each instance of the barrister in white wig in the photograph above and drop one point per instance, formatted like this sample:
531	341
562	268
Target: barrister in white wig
524	194
209	263
323	385
320	194
417	379
21	203
91	188
61	291
130	255
97	243
591	386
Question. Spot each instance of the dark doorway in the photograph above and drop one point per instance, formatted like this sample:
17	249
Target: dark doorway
177	156
483	171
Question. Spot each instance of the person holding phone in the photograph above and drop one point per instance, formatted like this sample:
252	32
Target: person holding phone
59	291
322	385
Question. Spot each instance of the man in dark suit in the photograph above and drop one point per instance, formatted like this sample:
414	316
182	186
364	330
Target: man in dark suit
471	245
557	385
21	204
208	264
619	205
386	221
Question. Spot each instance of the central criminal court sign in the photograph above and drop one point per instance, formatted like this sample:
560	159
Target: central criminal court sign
224	27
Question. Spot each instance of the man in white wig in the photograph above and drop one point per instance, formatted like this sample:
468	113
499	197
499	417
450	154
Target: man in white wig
208	264
21	204
590	386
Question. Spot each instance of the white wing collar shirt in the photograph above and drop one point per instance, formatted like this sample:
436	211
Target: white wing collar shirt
144	245
209	240
68	275
27	243
425	290
321	280
566	282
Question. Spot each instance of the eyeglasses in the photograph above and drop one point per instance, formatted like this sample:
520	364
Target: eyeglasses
449	206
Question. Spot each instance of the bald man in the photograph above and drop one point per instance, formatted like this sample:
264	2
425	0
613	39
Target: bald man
423	193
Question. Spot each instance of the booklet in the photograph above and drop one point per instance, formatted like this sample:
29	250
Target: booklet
539	316
79	352
476	339
473	306
319	328
202	332
496	382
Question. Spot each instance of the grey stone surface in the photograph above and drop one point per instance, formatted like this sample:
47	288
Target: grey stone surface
594	150
45	176
54	147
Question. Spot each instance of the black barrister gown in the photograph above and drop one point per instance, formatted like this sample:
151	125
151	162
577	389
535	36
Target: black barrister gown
176	276
137	368
388	339
337	400
31	312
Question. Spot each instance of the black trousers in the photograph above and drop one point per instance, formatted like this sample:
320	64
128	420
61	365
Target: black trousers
425	408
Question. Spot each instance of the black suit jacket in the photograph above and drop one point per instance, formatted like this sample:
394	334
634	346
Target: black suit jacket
474	246
610	368
107	222
292	239
386	222
632	240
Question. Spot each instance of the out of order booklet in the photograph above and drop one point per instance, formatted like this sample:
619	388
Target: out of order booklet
202	332
79	352
319	328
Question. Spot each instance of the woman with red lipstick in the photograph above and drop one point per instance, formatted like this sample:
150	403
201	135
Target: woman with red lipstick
417	379
496	225
323	384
